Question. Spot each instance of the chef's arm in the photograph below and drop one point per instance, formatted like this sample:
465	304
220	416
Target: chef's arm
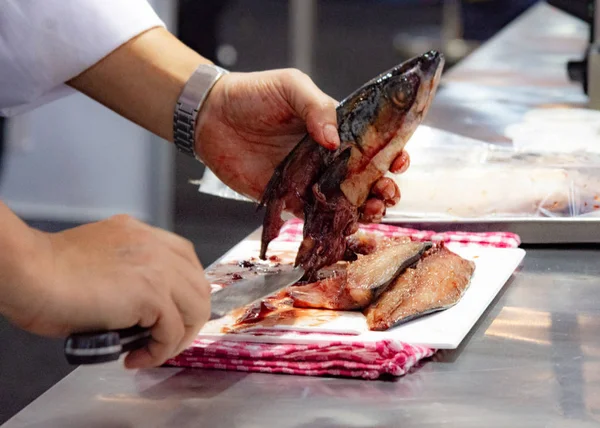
142	79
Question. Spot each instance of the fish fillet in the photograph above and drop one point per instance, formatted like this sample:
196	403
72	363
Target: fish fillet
437	282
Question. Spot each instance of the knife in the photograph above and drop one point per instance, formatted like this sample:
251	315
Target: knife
104	346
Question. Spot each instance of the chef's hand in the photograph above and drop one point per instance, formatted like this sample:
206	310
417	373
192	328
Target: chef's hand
251	121
115	274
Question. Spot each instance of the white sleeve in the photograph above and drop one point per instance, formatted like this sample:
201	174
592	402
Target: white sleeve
45	43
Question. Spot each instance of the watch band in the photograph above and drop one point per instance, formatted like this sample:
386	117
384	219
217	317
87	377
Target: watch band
189	103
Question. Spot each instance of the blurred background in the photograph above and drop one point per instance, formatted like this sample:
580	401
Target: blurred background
73	161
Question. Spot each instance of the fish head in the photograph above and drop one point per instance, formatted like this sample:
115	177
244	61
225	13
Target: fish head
379	118
396	99
409	89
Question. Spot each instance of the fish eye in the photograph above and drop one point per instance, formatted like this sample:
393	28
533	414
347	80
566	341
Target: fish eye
402	92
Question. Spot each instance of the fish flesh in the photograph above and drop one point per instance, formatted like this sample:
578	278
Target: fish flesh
276	310
392	281
436	282
366	243
374	124
355	285
258	311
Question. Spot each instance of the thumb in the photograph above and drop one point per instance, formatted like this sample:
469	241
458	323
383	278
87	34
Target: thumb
316	108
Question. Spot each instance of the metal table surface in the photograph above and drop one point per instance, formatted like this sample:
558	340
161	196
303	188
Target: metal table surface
522	67
533	359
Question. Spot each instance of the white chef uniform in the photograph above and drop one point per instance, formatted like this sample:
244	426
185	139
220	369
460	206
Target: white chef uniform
44	43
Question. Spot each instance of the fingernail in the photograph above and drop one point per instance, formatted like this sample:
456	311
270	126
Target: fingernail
331	136
389	190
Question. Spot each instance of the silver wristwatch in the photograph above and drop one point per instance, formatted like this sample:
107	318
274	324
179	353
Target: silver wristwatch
189	103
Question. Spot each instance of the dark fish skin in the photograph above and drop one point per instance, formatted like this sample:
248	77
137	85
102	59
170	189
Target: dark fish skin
290	179
374	124
436	282
355	285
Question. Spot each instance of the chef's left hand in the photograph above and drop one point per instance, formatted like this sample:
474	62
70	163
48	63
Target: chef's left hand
251	121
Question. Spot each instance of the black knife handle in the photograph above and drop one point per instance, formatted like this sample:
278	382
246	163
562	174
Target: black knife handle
104	346
101	347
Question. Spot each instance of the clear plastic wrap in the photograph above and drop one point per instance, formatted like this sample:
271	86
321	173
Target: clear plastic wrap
452	177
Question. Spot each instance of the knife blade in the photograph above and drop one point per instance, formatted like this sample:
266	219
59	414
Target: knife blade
104	346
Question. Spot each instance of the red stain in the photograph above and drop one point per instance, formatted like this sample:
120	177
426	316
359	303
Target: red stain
277	310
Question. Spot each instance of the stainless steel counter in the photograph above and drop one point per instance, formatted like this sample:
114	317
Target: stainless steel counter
532	360
523	67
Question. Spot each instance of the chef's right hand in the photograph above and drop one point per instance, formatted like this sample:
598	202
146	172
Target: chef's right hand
115	274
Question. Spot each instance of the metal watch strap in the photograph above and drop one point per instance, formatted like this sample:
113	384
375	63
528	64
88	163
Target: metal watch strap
189	103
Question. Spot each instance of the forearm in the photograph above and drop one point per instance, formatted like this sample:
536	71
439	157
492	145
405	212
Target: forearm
142	79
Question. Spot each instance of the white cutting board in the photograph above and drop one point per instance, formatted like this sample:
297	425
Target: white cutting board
440	330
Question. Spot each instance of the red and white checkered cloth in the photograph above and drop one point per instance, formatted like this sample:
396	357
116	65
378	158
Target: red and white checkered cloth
347	358
368	360
292	232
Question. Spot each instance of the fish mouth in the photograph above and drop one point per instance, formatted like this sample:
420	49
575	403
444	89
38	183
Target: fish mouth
431	61
427	65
